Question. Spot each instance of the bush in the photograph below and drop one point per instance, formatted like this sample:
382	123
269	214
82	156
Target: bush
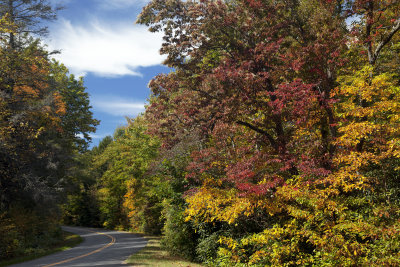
180	238
207	248
152	219
82	209
9	238
24	231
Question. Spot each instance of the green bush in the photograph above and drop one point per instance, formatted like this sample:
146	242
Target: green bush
207	248
9	238
179	238
82	209
152	219
24	231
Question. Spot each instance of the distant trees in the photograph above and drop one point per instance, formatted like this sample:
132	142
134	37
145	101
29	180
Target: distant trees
117	169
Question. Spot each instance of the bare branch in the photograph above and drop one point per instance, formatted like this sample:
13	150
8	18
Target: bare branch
386	40
260	131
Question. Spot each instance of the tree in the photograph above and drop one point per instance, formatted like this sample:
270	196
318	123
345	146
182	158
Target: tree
122	184
30	170
77	121
28	17
38	142
294	136
31	113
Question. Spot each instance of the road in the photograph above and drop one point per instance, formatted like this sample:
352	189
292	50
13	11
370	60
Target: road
99	248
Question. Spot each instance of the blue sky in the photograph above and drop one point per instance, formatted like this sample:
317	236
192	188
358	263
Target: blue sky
99	40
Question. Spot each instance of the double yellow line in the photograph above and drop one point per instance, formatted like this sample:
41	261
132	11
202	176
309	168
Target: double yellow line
87	254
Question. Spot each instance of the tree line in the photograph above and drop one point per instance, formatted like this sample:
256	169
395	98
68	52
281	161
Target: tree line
273	141
45	122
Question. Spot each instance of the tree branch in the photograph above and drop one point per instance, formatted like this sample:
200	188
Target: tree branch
386	40
260	131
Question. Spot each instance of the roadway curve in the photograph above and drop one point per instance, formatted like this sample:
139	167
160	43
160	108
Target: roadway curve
99	248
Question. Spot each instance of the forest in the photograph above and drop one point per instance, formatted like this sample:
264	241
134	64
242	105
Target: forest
274	140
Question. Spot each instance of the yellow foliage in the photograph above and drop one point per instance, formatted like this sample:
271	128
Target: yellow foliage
129	198
213	204
6	25
369	109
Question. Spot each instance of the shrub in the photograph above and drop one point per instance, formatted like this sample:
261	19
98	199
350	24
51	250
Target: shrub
180	238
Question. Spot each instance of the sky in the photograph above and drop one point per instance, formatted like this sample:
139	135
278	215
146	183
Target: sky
99	40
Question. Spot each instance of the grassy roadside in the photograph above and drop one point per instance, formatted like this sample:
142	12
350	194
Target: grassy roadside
154	256
69	240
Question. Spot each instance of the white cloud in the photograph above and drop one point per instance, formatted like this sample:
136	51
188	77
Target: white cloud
59	2
118	4
117	106
94	136
105	49
99	136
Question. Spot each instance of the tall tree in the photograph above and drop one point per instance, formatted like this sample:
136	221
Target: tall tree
28	17
77	121
266	67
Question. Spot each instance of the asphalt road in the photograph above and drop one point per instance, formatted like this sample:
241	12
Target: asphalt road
99	248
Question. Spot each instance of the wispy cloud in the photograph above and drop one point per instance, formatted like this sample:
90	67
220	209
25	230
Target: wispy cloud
99	136
95	136
105	49
117	106
59	2
117	4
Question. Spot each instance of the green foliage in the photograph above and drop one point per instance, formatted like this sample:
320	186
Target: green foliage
10	244
24	231
207	247
77	121
275	140
179	236
82	208
152	222
297	124
121	190
42	110
111	185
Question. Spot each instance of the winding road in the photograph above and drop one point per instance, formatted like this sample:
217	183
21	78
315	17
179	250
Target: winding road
99	248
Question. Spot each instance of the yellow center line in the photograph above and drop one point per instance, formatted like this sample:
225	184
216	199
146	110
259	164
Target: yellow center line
87	254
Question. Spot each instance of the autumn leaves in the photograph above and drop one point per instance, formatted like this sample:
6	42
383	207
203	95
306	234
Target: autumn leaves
297	125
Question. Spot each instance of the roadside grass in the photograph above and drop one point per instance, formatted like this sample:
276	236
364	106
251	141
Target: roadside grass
69	240
154	256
